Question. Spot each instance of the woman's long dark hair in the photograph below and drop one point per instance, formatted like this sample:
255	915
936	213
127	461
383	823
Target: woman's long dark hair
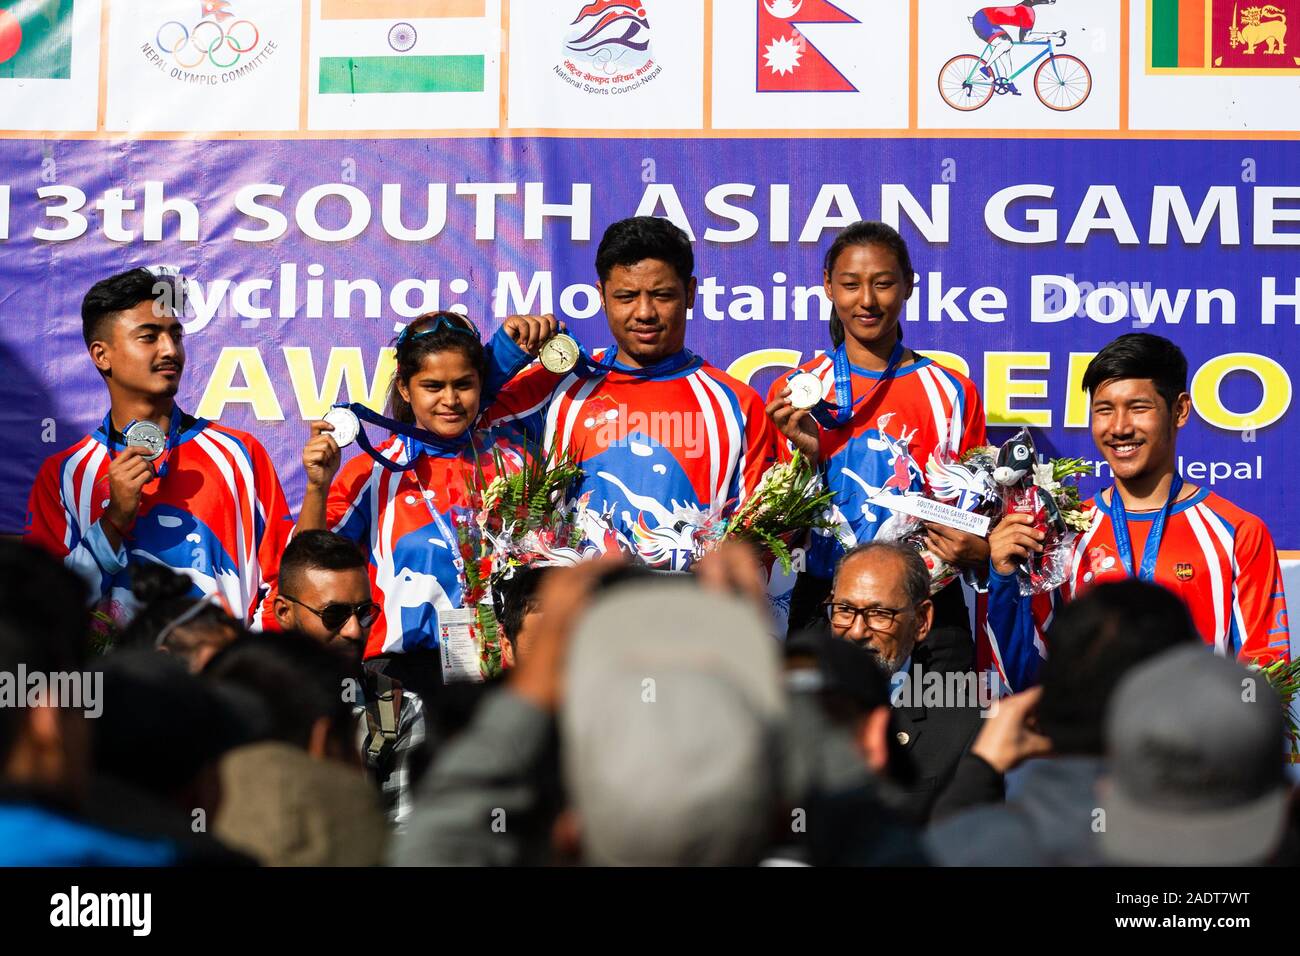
412	351
865	233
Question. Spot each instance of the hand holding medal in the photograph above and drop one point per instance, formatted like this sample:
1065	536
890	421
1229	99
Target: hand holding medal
322	454
791	412
532	333
128	473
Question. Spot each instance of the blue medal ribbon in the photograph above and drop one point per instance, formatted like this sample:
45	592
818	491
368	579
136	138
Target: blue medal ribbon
841	413
590	367
1124	544
437	443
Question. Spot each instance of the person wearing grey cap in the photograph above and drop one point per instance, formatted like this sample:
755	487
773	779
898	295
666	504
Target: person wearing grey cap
1048	818
1194	786
668	701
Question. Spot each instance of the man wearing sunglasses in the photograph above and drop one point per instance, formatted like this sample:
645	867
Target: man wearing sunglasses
880	599
325	594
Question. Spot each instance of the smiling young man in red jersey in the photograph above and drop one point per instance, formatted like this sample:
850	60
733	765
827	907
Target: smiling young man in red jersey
1150	524
197	497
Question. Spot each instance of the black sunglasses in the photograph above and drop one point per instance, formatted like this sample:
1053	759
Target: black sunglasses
335	616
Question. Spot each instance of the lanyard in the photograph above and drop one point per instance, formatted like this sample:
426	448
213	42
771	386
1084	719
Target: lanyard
841	413
589	367
173	433
439	444
444	530
1124	544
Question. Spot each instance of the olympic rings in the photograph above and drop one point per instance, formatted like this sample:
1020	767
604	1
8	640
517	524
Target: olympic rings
207	49
216	43
190	66
179	43
230	37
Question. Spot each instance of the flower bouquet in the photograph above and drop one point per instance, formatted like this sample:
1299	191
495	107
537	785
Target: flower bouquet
520	512
790	499
1049	493
1284	678
966	485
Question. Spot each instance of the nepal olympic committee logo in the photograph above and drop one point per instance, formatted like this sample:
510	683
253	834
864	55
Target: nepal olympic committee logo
218	48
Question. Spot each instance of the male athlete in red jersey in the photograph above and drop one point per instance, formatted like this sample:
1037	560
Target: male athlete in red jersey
991	25
209	507
663	437
1218	558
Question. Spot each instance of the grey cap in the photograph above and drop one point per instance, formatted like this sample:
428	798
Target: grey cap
1195	750
670	727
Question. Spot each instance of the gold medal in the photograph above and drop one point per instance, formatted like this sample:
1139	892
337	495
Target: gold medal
560	354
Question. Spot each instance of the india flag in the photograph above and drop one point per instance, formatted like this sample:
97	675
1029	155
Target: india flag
35	39
400	46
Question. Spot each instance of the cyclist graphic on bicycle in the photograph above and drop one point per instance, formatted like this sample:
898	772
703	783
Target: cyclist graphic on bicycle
1062	82
991	25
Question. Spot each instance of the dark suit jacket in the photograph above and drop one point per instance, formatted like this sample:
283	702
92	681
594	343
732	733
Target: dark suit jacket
931	739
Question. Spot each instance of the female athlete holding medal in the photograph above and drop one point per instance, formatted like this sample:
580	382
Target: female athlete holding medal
398	501
871	412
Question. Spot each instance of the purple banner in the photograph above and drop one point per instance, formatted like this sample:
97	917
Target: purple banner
306	255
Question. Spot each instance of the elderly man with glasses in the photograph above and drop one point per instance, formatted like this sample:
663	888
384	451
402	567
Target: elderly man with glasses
880	599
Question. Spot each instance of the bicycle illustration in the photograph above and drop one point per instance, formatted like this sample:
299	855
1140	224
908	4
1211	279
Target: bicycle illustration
1062	81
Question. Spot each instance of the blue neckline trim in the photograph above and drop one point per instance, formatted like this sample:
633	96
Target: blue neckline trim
691	365
190	426
920	363
1196	499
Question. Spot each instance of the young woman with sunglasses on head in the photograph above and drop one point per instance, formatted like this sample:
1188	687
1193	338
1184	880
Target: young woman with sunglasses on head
403	520
887	409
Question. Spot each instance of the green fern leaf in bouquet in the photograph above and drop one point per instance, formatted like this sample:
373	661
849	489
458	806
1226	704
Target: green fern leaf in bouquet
789	501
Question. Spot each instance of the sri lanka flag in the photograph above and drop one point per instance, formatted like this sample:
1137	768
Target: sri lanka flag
36	39
787	62
375	46
1244	36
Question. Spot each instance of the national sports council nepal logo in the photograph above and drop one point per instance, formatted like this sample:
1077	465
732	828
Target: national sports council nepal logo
222	46
607	48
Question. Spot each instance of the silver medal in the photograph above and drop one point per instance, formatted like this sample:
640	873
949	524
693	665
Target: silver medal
148	436
346	425
805	390
560	354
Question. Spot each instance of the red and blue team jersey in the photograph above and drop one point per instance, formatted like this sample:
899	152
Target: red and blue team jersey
652	449
887	443
1218	559
1017	16
217	515
405	522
